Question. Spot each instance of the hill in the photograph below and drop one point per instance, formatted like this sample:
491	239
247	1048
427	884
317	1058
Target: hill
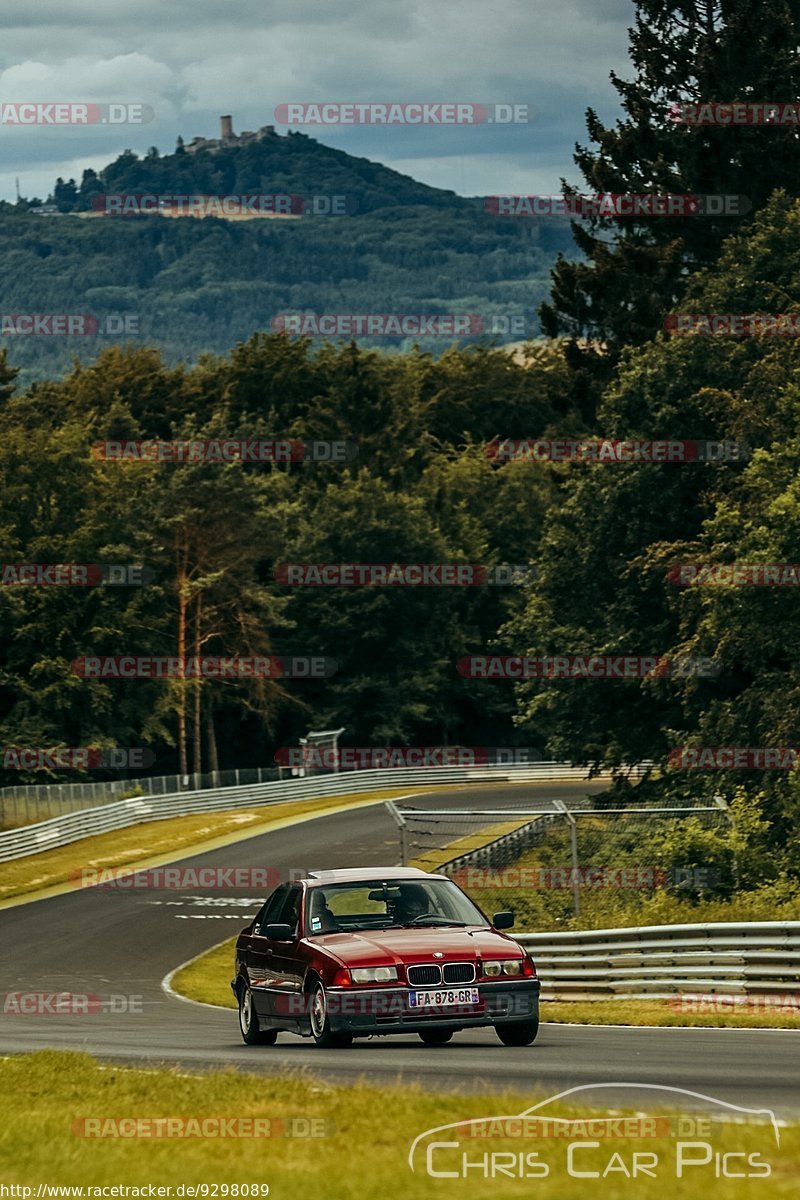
291	163
192	285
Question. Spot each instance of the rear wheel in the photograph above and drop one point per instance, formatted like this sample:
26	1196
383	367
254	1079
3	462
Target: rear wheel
518	1033
436	1037
320	1020
249	1028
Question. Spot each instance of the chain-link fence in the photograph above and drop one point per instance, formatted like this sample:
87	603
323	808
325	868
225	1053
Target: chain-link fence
24	804
567	849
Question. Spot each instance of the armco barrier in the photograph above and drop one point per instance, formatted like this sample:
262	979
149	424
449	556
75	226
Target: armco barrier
23	803
725	959
60	831
504	850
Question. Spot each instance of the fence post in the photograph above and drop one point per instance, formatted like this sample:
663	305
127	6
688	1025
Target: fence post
576	885
400	821
723	804
573	842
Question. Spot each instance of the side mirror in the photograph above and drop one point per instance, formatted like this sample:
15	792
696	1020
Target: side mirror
503	920
278	933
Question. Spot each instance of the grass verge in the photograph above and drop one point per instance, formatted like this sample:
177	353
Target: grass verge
208	979
433	859
368	1134
703	1014
155	839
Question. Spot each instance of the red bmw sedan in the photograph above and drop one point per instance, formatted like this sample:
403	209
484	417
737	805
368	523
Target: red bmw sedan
356	953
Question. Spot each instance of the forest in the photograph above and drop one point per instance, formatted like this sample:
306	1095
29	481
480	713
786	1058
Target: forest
604	540
190	286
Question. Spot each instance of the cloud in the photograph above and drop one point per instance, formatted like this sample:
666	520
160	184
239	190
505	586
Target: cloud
124	77
194	59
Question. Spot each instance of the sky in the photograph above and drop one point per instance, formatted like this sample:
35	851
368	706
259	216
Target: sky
190	61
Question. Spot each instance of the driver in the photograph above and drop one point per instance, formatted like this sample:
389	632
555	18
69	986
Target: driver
411	903
320	917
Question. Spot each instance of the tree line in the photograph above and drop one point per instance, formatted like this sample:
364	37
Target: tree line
605	539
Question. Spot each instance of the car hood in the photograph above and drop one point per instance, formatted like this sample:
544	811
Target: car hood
384	947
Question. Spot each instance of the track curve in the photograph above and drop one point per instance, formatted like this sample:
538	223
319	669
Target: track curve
124	943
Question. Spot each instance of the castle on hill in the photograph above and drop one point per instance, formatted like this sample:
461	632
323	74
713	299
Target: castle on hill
228	138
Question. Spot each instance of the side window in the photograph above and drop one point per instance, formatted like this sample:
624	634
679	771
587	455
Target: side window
290	912
268	912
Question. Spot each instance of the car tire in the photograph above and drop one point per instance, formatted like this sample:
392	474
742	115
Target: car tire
517	1033
436	1037
320	1021
249	1027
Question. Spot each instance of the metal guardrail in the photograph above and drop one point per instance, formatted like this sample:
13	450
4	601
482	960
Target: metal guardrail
504	849
61	831
23	803
725	959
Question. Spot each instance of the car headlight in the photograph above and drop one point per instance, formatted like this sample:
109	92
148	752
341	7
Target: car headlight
505	966
374	974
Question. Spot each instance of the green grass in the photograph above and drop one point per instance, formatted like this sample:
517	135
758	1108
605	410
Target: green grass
615	909
158	839
545	901
208	979
365	1153
432	858
666	1012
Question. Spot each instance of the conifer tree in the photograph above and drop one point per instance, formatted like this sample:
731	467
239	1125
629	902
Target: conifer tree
636	269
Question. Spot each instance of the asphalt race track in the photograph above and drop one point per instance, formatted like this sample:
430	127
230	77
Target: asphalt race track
105	942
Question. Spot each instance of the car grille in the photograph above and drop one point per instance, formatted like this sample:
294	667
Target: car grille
458	972
422	975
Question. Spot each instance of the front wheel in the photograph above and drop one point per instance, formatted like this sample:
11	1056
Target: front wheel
320	1020
518	1033
249	1028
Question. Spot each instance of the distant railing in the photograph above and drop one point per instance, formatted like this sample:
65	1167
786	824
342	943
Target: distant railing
60	831
24	803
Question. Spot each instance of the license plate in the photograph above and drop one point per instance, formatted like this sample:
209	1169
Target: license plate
443	998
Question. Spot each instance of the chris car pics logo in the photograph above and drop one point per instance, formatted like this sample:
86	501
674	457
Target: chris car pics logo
714	1140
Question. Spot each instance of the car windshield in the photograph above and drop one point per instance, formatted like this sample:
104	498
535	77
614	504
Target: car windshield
388	904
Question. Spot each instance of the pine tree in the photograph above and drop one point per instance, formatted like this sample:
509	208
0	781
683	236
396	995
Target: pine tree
91	186
636	269
8	376
65	195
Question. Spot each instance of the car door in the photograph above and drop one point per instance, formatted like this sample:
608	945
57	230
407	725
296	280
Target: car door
287	968
260	956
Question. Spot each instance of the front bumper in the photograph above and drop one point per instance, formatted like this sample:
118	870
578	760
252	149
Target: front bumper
369	1011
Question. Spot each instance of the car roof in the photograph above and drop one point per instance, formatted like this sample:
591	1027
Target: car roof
367	875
